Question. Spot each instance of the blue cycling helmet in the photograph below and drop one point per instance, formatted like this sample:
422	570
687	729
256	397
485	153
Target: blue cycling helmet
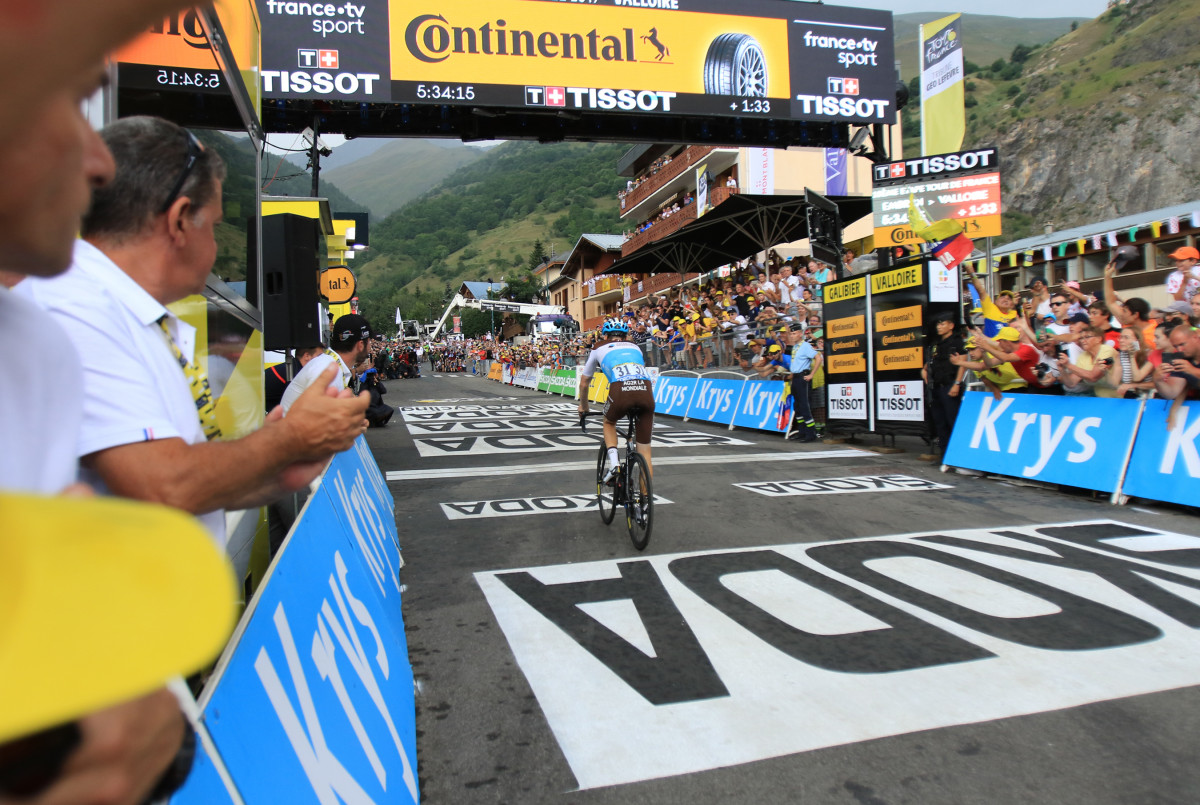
616	326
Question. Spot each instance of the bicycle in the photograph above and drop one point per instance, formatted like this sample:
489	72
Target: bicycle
631	487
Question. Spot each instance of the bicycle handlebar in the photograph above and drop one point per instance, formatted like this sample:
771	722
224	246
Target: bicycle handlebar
583	418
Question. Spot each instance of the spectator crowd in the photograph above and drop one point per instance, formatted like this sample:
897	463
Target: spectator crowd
1058	340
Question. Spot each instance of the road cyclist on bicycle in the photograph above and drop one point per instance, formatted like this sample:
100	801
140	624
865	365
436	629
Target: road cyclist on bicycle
628	391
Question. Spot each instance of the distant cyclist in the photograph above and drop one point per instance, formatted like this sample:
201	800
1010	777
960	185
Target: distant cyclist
628	391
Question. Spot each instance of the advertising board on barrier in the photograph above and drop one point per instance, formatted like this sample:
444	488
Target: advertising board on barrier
1078	442
897	308
847	400
760	404
715	400
1166	463
846	347
317	699
673	394
314	699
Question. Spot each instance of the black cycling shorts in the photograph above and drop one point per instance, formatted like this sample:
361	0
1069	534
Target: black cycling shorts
632	396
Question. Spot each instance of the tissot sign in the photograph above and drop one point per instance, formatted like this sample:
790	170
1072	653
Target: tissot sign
964	186
759	58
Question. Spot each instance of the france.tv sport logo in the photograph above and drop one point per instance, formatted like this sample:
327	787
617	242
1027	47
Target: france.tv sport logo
311	58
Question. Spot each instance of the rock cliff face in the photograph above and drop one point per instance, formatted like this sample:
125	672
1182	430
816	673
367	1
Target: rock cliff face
1115	127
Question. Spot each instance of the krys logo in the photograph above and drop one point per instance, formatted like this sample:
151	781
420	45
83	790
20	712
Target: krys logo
431	38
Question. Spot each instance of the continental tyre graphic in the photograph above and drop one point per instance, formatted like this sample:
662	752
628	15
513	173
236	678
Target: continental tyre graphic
735	65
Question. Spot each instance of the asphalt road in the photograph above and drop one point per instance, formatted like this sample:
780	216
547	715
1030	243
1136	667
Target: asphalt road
810	623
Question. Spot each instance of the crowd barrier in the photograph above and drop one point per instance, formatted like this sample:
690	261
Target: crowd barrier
1122	447
312	701
738	402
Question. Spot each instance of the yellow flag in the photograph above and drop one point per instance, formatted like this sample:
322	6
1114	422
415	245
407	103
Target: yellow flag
943	97
930	231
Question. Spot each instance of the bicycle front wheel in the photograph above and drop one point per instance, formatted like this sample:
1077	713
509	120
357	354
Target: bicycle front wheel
606	496
639	501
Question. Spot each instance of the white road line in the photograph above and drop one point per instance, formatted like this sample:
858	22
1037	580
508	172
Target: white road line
664	461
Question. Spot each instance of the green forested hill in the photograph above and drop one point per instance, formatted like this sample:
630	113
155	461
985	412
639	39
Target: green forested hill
544	192
238	197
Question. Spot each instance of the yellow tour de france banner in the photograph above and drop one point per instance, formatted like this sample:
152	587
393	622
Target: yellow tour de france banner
943	121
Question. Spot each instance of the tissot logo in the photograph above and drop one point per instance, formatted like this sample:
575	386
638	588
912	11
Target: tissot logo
626	100
842	86
430	38
898	389
545	96
312	58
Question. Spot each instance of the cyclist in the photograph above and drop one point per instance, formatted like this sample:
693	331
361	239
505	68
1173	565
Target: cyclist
628	391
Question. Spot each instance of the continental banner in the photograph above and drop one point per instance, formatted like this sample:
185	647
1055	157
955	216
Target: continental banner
758	58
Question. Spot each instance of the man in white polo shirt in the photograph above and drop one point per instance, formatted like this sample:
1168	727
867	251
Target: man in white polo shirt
149	428
347	346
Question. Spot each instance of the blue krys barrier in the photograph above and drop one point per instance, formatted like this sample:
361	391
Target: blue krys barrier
753	404
313	702
673	394
750	404
1166	463
715	400
204	784
759	406
1076	441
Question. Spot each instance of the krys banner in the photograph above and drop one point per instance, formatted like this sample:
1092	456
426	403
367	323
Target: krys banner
768	59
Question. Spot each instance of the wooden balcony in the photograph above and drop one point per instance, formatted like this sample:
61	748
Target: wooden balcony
603	284
678	164
664	227
653	284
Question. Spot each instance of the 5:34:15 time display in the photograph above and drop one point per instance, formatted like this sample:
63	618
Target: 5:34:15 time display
445	92
178	78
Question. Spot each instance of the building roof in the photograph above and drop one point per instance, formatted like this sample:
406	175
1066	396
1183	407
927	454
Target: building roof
1122	224
610	243
479	290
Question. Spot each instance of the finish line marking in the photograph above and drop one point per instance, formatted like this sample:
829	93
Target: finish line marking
590	464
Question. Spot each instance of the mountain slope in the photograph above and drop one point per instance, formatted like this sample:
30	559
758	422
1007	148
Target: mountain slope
1102	121
401	171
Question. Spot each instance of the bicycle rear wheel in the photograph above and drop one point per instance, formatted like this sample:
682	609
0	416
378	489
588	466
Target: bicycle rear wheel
606	496
639	501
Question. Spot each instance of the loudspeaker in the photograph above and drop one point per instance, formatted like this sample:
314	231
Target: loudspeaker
291	293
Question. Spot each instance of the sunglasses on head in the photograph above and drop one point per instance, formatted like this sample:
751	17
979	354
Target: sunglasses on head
195	149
